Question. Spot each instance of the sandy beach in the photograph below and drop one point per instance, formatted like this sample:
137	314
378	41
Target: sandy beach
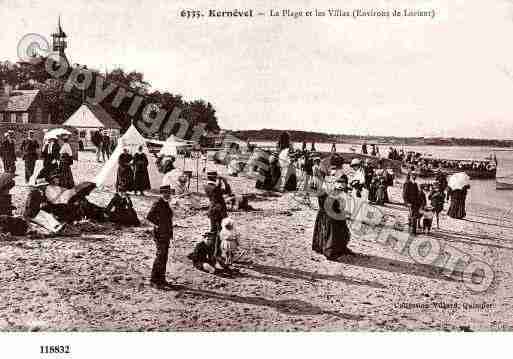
98	279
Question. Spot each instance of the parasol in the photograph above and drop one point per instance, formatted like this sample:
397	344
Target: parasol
58	195
458	180
56	132
82	190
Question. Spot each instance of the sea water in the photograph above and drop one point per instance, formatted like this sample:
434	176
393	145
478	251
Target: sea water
482	192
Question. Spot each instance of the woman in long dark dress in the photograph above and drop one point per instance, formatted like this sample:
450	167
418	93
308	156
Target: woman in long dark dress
120	210
141	176
331	234
125	177
65	162
457	206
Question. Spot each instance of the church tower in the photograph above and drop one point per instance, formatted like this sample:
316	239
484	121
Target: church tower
59	43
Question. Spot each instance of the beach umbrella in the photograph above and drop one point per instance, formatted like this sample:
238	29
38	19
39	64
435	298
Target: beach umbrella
56	132
83	189
458	180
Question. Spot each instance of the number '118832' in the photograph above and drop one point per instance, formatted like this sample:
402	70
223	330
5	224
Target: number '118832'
55	349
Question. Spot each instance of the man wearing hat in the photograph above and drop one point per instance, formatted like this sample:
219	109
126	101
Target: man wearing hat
161	216
215	189
8	151
29	148
411	197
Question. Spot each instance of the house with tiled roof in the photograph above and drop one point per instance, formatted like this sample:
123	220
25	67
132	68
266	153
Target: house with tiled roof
23	106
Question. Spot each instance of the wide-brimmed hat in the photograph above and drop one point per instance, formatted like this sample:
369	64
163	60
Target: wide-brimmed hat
165	189
355	162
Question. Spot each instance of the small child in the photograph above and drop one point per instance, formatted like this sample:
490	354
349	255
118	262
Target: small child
437	198
427	218
229	240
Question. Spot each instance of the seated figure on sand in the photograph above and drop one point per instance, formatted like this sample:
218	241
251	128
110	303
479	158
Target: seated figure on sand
70	205
202	256
8	223
34	203
173	177
120	209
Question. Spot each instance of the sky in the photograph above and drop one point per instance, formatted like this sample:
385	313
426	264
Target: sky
449	76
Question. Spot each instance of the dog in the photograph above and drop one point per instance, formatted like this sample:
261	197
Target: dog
229	240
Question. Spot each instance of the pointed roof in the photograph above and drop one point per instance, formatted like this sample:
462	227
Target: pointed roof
91	116
18	101
60	32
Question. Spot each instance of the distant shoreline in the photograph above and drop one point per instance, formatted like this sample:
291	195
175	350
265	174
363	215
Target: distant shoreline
270	135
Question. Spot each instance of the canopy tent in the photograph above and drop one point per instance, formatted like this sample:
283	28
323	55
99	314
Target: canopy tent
132	139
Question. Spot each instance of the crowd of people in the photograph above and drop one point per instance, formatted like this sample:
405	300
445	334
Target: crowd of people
56	154
54	200
426	201
426	164
104	145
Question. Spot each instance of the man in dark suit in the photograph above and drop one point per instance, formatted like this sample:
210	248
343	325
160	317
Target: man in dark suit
9	152
97	140
106	146
29	149
411	197
161	216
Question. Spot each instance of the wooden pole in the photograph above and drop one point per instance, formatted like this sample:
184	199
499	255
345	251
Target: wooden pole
197	175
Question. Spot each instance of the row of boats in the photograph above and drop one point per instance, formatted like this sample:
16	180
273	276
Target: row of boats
488	168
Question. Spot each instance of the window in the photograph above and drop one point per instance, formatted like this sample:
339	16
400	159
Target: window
13	117
1	117
19	118
25	117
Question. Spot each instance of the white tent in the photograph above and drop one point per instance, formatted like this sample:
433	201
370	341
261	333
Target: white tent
171	146
132	139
